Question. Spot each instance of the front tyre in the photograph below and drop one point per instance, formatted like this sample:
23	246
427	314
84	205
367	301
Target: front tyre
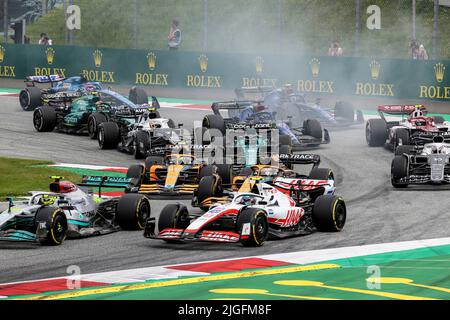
94	121
399	170
54	222
253	226
44	119
376	132
173	216
108	135
329	213
313	128
132	211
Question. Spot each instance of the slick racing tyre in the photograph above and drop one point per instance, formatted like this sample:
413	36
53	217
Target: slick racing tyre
344	110
44	119
321	174
208	187
54	221
108	135
213	121
376	132
30	98
438	120
94	121
401	138
173	216
141	145
138	96
313	128
329	213
207	171
155	114
135	173
286	140
399	170
225	171
132	211
152	161
404	149
171	124
252	224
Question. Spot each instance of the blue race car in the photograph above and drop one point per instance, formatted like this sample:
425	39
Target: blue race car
251	114
61	91
293	107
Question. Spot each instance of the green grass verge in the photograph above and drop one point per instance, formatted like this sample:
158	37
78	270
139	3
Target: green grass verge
18	176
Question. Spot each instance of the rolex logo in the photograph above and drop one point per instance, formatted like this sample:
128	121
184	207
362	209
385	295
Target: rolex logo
439	71
50	53
259	64
98	56
151	60
315	67
2	54
375	68
203	60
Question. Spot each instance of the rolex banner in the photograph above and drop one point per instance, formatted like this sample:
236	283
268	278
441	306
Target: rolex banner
343	76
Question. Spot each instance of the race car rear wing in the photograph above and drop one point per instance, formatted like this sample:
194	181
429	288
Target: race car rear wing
400	109
240	92
104	182
230	105
32	80
300	159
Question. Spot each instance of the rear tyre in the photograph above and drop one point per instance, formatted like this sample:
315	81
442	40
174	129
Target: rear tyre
44	119
173	216
329	213
30	98
208	187
313	128
132	211
207	171
94	121
108	135
439	120
55	222
225	171
213	121
138	96
344	110
321	174
141	145
376	132
253	223
399	170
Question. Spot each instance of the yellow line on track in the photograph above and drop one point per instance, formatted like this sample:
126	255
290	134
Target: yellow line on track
178	282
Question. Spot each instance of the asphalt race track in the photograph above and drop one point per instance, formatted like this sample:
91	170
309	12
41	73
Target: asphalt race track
376	212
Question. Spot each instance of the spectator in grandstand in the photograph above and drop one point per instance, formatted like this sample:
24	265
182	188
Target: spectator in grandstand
414	47
335	50
45	40
174	37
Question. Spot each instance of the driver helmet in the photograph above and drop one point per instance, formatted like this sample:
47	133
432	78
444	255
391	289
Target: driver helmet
248	200
417	112
287	89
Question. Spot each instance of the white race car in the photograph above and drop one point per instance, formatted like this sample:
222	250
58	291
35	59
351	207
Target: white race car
285	208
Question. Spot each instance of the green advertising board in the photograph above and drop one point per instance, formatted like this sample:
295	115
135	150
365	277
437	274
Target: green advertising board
339	76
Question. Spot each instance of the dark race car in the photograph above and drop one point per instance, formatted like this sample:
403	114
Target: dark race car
86	113
294	108
235	115
61	91
412	127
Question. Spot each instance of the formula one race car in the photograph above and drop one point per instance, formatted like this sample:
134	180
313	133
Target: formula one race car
69	211
212	189
61	92
148	132
86	113
285	208
416	129
172	175
293	107
248	114
427	164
